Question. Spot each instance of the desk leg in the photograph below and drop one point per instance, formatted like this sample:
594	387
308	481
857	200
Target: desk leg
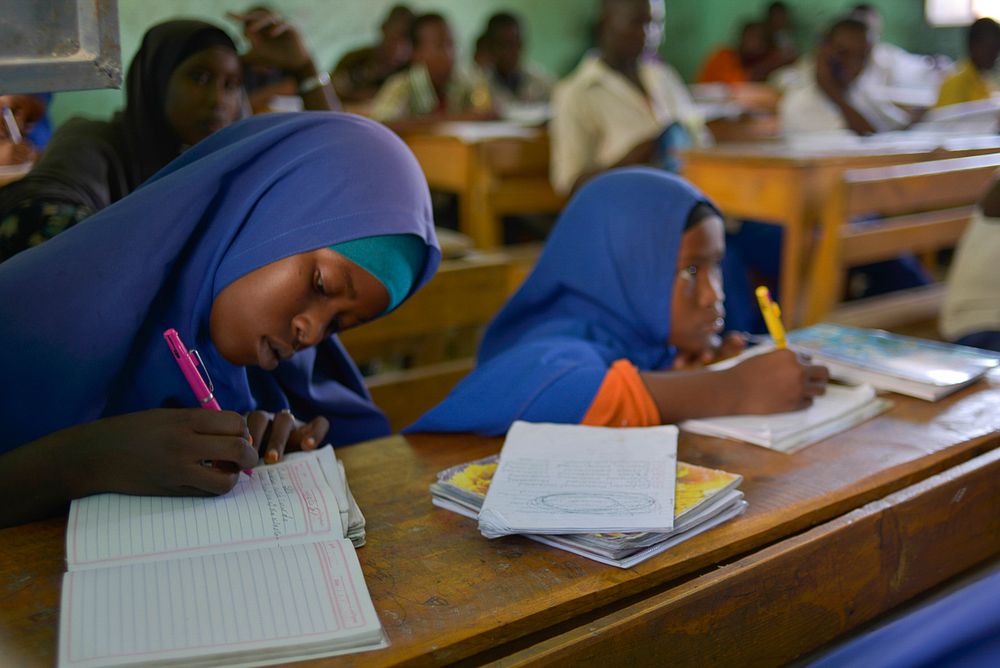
793	251
476	216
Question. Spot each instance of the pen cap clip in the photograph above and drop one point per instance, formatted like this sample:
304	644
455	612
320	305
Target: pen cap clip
202	370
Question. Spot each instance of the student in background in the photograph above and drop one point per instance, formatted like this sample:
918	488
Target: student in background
257	245
432	87
614	108
184	83
278	63
778	21
26	112
359	74
512	81
751	60
971	313
893	66
609	328
833	97
973	78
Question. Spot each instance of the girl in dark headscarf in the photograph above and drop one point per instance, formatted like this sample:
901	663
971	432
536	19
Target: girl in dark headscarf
257	246
184	83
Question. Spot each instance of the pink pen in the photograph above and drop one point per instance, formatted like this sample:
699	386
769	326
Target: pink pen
188	361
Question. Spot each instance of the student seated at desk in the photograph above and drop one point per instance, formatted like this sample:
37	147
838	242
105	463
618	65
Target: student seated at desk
608	329
257	246
971	313
432	88
359	74
511	80
973	80
833	96
613	109
184	83
752	59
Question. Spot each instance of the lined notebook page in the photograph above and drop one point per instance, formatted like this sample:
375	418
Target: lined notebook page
289	501
273	602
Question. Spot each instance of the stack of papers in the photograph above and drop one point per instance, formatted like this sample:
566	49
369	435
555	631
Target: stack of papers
839	409
915	367
619	501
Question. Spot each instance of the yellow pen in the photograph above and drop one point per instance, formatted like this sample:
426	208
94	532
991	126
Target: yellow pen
772	316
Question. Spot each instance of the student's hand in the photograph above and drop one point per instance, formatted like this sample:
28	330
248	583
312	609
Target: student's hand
161	452
729	345
27	109
273	41
15	154
777	382
280	432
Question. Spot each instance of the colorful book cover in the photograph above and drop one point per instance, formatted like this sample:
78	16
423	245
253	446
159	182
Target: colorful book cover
695	484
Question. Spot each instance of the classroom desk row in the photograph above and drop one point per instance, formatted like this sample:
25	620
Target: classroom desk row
835	535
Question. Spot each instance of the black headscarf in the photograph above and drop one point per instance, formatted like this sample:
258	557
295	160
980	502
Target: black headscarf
96	163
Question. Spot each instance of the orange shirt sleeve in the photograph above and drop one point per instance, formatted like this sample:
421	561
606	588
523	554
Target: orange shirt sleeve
622	400
723	66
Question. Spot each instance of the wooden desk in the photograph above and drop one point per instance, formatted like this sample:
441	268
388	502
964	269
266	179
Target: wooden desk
835	534
780	183
492	177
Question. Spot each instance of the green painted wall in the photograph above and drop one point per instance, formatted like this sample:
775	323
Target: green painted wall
558	30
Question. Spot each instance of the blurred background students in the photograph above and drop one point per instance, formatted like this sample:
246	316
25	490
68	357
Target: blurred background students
974	77
751	60
893	66
832	98
359	74
432	86
615	106
512	81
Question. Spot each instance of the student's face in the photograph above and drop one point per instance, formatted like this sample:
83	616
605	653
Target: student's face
435	49
630	28
777	18
848	49
293	303
985	52
507	49
696	311
396	45
753	42
204	94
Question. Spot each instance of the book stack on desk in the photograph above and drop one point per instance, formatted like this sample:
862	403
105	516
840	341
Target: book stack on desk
906	365
263	574
617	496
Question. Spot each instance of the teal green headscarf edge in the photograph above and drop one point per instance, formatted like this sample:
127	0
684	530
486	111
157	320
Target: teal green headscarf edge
394	259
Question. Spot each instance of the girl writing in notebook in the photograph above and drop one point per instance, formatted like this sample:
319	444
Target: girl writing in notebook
626	294
257	245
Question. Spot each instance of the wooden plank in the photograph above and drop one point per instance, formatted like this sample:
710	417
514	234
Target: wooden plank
888	238
895	311
445	161
801	593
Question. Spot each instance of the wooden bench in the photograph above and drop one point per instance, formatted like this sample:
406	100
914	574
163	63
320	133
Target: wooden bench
414	356
922	207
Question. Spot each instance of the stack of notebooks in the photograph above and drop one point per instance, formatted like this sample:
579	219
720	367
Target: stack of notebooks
617	496
264	574
915	367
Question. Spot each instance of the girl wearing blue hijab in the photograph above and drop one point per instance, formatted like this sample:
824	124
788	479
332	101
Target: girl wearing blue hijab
256	245
625	299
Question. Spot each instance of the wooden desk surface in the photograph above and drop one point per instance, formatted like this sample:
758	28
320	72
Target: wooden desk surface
446	594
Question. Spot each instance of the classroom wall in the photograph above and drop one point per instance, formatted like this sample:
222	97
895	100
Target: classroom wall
558	30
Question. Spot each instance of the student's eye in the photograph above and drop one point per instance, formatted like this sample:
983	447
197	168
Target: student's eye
200	77
319	284
690	271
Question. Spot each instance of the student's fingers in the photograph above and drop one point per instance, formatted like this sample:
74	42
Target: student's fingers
218	423
311	434
281	428
228	449
257	424
819	373
211	481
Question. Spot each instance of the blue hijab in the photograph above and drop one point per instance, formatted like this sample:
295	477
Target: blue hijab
600	292
83	314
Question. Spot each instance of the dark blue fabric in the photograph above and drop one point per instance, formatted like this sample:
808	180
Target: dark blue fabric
600	292
41	131
987	340
83	314
962	629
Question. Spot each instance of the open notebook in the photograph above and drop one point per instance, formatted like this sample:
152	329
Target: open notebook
261	575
